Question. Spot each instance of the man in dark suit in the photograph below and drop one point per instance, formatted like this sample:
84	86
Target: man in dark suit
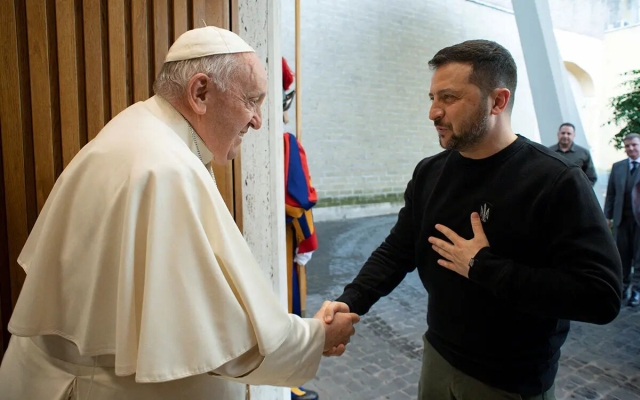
619	209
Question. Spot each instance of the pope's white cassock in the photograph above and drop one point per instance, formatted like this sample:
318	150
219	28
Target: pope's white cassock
139	284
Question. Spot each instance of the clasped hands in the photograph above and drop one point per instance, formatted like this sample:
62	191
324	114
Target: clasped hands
338	324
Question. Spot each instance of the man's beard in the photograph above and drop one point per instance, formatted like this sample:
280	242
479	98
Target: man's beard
471	132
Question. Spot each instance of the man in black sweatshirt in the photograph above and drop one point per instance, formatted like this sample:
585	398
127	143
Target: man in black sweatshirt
508	239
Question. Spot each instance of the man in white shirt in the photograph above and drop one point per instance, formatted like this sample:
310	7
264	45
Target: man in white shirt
139	284
619	210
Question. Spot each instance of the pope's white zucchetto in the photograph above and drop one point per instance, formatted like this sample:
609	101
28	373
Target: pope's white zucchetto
206	41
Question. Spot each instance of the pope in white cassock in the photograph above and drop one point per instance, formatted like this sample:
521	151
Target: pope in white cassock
139	284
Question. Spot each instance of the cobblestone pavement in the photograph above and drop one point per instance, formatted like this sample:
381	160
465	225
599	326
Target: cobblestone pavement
384	357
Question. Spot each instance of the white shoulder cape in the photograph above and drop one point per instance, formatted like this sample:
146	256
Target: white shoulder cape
135	254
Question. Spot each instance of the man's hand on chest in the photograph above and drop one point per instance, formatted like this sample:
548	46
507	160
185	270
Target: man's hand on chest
458	253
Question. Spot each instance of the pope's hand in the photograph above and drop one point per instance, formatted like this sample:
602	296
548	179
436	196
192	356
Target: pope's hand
338	324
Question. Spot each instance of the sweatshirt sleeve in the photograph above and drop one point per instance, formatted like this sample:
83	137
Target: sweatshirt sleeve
581	277
388	264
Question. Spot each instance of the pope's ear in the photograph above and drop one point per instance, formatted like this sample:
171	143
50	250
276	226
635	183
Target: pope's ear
198	89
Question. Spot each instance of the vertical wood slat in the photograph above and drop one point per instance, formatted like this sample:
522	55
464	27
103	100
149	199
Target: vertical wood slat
217	13
43	107
140	49
160	32
180	18
199	13
234	24
234	19
94	70
224	181
236	190
5	281
117	56
5	277
68	75
13	152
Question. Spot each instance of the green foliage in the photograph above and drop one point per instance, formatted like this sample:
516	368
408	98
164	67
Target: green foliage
626	108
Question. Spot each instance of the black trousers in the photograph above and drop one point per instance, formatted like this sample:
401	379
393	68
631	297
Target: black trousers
628	242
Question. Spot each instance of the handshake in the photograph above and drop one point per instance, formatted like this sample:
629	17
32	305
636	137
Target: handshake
338	324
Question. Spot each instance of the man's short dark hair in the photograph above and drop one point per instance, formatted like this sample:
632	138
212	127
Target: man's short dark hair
631	136
567	124
492	65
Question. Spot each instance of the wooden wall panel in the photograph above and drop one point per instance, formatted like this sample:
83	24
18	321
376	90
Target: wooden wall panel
15	117
160	32
95	72
180	18
118	46
5	277
236	165
224	179
199	13
140	40
67	68
217	13
44	94
70	70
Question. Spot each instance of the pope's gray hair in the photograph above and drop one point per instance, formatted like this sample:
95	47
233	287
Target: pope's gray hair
174	76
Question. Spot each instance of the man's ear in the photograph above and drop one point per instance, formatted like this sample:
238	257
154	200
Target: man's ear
501	98
198	91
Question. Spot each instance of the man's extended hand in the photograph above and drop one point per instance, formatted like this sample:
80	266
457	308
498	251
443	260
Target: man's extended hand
460	251
331	308
338	324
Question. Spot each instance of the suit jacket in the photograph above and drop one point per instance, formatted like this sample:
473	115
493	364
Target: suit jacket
615	192
635	198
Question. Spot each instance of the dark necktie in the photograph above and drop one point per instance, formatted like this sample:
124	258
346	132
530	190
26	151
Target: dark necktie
634	166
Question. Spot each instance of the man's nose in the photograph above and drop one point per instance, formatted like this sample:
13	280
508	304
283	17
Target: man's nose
256	121
435	112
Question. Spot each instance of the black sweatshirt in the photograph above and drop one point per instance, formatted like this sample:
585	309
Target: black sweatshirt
551	259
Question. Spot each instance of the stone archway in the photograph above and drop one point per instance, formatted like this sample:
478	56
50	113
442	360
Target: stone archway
584	94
